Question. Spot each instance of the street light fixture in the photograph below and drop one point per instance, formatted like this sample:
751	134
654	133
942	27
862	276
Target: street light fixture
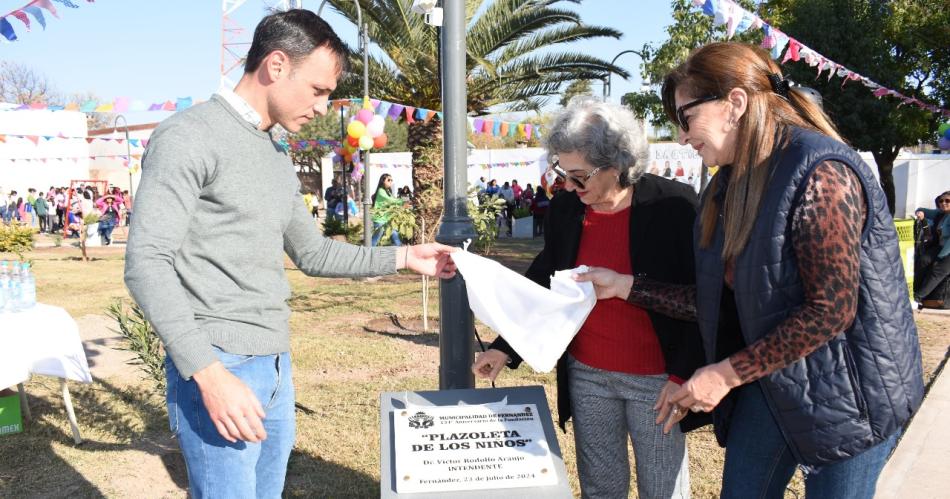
128	147
607	86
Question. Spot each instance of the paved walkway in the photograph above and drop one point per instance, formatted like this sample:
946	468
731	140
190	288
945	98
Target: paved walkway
918	468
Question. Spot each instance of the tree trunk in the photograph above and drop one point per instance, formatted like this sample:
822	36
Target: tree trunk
885	168
425	144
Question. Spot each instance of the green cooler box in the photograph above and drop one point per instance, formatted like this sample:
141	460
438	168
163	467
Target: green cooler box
10	419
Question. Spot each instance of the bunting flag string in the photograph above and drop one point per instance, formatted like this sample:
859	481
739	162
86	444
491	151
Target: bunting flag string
737	19
35	139
35	9
73	158
392	110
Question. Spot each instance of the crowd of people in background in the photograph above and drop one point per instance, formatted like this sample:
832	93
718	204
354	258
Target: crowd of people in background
61	210
534	201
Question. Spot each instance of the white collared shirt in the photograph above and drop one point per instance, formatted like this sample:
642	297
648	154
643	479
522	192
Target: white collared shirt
240	105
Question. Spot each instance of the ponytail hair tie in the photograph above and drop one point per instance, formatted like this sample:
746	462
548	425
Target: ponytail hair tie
780	85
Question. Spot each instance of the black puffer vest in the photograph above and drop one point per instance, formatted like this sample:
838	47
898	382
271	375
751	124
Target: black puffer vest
860	387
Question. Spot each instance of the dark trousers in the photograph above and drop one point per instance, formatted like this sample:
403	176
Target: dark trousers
538	225
43	222
930	272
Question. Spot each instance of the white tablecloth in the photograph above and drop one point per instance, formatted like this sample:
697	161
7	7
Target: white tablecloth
41	340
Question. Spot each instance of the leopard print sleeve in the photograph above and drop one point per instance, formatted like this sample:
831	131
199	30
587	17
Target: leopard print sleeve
826	238
675	300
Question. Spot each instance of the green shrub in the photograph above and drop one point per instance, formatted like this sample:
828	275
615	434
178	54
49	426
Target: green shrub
140	339
16	238
402	218
333	227
484	217
57	240
90	218
354	234
521	212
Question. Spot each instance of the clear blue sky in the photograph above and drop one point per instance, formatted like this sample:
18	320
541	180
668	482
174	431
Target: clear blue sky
162	50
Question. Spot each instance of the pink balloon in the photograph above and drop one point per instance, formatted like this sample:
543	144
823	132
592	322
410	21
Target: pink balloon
365	116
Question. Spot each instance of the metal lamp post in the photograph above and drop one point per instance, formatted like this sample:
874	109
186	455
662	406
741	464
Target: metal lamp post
367	186
456	324
128	147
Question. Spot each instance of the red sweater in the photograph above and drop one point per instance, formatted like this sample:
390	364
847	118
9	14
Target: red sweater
617	335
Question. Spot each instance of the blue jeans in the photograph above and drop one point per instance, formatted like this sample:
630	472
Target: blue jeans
216	467
378	229
759	463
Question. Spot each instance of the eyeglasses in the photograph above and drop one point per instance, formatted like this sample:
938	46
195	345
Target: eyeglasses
580	182
943	200
681	111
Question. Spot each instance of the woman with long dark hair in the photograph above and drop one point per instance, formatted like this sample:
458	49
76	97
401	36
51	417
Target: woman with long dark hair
383	199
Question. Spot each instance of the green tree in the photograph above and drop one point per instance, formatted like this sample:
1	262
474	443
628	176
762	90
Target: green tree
901	44
579	87
509	64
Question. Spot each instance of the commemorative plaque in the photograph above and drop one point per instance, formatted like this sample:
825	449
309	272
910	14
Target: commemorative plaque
467	443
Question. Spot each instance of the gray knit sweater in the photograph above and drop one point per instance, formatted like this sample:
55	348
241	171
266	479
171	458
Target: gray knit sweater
218	206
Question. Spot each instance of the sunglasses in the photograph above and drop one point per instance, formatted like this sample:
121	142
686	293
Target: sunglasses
943	200
580	182
681	111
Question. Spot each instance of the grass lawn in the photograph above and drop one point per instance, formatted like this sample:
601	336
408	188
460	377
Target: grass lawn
351	340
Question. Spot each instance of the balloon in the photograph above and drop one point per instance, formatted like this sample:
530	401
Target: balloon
947	133
337	151
347	157
366	142
376	126
380	141
356	129
942	129
943	143
353	141
364	116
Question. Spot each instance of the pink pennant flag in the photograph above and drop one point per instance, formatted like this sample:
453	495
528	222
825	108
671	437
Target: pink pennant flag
168	106
881	92
19	14
48	6
144	142
43	160
90	139
488	126
119	141
409	112
37	105
792	52
527	131
35	139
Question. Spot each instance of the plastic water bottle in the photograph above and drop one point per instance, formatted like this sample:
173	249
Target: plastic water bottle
15	289
27	287
4	286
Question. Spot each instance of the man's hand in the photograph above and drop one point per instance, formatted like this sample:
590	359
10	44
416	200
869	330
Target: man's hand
429	259
232	406
607	283
489	363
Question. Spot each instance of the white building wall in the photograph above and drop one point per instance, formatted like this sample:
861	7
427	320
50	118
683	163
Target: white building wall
56	161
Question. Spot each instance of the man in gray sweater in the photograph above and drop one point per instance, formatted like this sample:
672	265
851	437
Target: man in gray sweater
218	207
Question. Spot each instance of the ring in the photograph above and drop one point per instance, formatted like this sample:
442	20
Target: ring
675	411
696	408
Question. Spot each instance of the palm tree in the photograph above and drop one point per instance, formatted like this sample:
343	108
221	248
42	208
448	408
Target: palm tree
509	65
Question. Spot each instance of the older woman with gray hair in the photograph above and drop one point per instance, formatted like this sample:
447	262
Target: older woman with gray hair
625	361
